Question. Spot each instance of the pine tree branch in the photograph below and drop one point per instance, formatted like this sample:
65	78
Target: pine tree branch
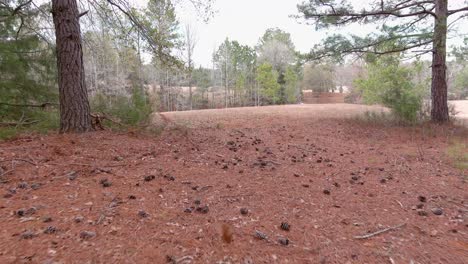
382	12
156	47
83	13
14	11
19	7
364	49
451	12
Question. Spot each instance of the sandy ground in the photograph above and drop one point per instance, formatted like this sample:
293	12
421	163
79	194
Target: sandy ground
251	185
462	108
315	111
239	116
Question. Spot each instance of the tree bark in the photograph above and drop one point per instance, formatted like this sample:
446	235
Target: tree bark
75	114
439	112
190	90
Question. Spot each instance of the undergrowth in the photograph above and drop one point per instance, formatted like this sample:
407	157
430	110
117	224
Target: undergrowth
458	153
128	111
47	120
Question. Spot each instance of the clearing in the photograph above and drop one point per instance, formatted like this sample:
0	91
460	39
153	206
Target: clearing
177	197
461	107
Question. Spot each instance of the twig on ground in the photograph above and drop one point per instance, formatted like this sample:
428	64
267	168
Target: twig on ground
89	165
380	232
20	121
238	131
98	118
336	173
401	205
24	160
298	147
7	172
237	195
272	162
95	165
184	259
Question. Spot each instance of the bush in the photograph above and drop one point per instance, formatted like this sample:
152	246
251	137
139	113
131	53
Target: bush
135	110
390	84
47	120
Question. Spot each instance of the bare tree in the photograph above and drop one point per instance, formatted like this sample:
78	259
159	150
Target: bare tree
190	43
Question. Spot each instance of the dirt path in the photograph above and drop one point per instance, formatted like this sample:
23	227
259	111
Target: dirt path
122	198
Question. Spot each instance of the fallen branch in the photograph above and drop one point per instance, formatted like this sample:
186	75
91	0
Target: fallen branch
237	195
401	205
43	105
298	147
90	165
380	232
98	118
240	132
6	172
273	162
23	160
18	123
83	13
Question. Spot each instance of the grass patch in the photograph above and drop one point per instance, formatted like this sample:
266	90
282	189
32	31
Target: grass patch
8	133
135	110
48	121
382	119
458	153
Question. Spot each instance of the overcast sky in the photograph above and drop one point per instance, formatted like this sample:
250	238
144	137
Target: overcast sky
247	20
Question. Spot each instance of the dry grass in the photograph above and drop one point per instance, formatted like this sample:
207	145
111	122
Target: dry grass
235	116
215	118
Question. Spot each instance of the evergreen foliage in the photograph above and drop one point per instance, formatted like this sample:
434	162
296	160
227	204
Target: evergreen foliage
391	84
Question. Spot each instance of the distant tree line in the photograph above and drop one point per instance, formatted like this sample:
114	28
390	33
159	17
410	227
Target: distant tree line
114	57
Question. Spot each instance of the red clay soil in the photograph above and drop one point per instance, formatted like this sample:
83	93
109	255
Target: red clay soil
182	196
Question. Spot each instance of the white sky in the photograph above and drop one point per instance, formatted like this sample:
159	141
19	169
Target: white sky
247	20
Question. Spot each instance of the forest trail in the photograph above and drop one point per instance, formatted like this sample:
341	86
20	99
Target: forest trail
349	192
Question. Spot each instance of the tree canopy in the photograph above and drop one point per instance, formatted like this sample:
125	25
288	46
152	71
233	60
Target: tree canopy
411	25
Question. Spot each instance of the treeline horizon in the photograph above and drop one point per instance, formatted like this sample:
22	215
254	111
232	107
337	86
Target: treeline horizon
116	39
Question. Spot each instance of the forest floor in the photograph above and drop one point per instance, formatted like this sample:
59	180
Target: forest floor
286	184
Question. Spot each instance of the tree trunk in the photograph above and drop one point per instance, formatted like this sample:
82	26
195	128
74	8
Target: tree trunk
74	105
439	111
190	92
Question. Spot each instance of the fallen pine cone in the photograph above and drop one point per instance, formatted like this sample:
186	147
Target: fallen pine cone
283	241
260	235
285	226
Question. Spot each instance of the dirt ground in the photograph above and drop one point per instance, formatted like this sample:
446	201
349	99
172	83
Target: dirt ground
253	185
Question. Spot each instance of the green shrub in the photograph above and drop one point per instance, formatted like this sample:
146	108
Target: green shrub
135	110
390	84
44	121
